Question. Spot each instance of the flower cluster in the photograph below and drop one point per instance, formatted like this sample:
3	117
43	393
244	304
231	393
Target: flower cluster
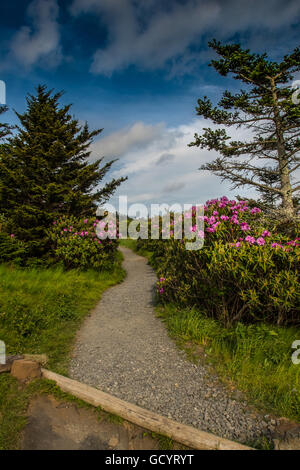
85	243
231	221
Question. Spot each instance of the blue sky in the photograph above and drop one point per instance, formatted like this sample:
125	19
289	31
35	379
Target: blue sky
136	69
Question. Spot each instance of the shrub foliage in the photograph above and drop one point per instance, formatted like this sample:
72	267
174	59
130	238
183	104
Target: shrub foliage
245	272
75	243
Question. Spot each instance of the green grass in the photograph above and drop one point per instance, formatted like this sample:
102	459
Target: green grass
256	359
41	309
40	312
13	405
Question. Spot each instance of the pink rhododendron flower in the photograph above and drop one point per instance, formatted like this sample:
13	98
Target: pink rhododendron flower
250	239
276	245
12	235
245	226
260	241
266	233
86	221
255	210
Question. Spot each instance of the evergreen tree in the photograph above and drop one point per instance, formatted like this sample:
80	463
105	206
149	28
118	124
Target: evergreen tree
4	128
45	171
269	158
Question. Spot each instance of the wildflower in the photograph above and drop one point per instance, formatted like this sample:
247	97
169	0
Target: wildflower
260	241
266	233
276	245
250	239
12	235
86	221
245	226
224	217
255	210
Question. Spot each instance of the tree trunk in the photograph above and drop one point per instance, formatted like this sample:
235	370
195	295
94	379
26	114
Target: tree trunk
283	168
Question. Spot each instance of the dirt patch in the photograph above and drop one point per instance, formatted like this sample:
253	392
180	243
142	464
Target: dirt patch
56	425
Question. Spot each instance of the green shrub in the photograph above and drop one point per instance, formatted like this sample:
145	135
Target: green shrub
76	245
11	249
243	273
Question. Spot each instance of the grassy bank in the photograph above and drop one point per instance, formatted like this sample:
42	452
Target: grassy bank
255	359
40	312
41	309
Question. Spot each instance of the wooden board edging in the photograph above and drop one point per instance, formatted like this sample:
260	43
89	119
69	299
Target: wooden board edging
181	433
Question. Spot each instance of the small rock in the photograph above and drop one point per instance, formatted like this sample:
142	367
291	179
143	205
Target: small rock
25	370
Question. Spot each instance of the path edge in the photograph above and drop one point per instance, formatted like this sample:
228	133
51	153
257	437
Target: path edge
181	433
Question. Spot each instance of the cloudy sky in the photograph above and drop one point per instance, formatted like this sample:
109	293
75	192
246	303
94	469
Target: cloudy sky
136	69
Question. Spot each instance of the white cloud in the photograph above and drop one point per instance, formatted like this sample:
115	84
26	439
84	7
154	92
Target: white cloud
134	137
149	34
40	41
178	180
165	158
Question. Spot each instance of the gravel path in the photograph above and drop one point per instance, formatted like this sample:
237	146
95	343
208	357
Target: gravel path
125	350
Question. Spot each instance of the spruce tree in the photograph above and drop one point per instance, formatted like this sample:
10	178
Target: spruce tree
269	158
5	129
45	171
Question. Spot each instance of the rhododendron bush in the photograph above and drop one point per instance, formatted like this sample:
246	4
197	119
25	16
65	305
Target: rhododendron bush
246	271
76	243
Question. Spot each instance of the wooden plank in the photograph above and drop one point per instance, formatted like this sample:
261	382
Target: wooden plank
187	435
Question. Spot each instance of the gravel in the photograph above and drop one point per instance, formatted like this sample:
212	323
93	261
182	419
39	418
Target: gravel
123	349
